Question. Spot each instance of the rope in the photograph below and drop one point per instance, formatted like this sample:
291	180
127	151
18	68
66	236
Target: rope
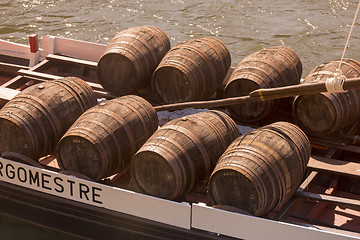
348	39
335	84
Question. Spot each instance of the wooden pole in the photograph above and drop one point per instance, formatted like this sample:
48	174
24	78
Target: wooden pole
261	95
206	104
301	89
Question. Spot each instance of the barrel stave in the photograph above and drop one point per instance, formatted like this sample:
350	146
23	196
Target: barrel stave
191	71
130	59
267	68
327	113
261	169
41	114
104	139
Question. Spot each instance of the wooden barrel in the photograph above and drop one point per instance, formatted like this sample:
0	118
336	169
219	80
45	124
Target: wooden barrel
130	59
325	113
180	156
35	119
261	169
191	71
104	139
267	68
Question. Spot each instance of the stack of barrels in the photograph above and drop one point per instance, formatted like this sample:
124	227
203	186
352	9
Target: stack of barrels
256	172
105	138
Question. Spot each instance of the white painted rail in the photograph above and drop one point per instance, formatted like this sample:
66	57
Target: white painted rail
73	48
255	228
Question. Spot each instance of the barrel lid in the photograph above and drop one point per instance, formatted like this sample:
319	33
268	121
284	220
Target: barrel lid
172	83
246	112
17	137
230	187
80	155
118	74
154	175
316	114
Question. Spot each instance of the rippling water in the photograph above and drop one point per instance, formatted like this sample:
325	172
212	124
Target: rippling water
315	30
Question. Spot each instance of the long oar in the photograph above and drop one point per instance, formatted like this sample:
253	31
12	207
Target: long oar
262	95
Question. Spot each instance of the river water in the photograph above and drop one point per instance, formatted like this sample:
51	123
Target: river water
315	30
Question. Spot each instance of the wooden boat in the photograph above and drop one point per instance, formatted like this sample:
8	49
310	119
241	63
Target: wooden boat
326	206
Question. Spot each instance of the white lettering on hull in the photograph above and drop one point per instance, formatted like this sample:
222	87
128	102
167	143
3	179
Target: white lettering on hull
96	194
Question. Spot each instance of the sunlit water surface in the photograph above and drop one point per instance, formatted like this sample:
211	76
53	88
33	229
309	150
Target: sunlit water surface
315	30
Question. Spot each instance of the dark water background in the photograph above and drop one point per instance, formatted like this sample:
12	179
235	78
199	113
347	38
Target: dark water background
16	229
315	30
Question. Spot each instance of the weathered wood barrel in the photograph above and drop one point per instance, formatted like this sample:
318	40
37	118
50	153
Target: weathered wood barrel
104	139
181	155
268	68
191	71
326	113
130	59
35	119
261	169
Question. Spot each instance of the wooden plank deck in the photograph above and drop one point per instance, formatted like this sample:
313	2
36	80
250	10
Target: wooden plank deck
351	169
